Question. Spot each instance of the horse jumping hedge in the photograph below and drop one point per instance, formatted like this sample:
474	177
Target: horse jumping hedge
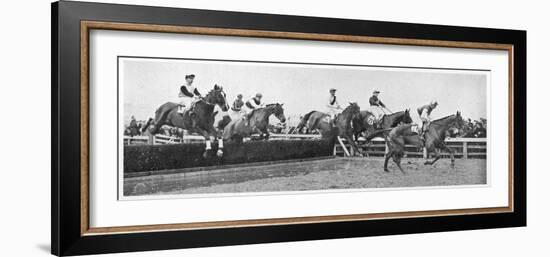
138	158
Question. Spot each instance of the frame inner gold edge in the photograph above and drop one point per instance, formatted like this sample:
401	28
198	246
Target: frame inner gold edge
86	26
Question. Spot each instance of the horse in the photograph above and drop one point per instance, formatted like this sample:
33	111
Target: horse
365	122
402	135
200	121
435	136
309	121
341	127
255	122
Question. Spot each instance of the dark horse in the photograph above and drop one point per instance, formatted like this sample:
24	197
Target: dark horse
201	121
256	122
435	136
366	122
341	127
402	135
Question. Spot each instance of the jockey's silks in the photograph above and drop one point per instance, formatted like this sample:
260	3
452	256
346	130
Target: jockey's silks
332	100
189	91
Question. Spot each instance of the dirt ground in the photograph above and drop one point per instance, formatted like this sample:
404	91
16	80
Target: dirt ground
337	173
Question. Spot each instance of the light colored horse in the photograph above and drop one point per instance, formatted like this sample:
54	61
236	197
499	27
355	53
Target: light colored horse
255	122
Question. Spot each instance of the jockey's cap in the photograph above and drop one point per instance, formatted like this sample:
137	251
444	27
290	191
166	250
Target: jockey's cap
240	95
332	89
190	76
258	95
376	92
433	103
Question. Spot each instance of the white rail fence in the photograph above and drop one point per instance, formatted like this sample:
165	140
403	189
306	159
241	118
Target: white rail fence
463	147
162	139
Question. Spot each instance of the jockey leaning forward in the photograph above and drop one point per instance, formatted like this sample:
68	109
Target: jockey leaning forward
187	95
376	106
333	107
252	104
424	112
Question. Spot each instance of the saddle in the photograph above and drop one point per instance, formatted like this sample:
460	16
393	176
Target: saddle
191	109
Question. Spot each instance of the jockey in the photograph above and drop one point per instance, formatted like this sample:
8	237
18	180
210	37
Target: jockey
376	106
424	112
238	104
253	104
333	107
188	94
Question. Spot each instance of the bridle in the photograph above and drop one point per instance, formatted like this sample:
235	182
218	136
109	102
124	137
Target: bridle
206	101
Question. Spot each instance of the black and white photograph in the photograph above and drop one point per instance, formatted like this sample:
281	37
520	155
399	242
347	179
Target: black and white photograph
208	127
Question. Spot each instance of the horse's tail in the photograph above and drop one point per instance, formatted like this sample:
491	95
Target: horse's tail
147	124
303	121
160	117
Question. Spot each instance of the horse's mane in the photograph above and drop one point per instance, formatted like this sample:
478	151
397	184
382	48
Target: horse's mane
444	118
392	115
266	106
212	91
348	108
396	113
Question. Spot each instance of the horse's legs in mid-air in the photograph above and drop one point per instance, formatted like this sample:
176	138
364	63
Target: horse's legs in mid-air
353	145
264	134
213	136
220	147
208	140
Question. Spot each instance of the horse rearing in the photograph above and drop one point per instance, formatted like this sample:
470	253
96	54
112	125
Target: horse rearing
255	122
201	121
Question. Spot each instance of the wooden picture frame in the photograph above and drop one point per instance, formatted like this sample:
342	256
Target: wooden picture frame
71	24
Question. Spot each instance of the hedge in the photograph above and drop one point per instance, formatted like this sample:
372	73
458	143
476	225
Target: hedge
139	158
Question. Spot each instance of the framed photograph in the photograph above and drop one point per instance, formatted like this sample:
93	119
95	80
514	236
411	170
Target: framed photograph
178	128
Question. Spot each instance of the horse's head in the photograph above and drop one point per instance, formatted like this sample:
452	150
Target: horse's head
279	112
458	121
407	117
353	109
217	96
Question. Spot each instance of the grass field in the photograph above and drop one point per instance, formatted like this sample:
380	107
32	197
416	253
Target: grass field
333	173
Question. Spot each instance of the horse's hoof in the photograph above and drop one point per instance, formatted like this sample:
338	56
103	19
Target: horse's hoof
426	163
219	153
386	170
